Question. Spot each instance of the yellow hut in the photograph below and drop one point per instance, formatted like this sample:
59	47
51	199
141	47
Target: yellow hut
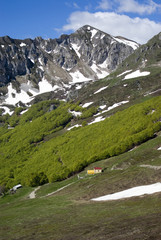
94	171
90	172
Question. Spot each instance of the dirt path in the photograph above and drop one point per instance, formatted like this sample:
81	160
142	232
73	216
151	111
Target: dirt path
33	193
49	194
151	166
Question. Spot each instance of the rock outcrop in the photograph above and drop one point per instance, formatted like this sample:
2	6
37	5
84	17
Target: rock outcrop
87	54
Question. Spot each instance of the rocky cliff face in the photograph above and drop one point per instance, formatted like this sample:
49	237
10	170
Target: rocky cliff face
36	66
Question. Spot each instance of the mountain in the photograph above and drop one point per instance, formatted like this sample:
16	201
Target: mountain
32	67
138	76
37	128
112	124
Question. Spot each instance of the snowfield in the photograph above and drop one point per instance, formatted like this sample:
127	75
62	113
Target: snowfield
78	77
135	74
13	97
101	72
132	44
132	192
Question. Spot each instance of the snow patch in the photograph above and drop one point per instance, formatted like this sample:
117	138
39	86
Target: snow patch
101	89
115	105
74	113
31	59
40	61
98	119
79	77
24	111
152	92
102	107
86	104
135	74
94	31
41	68
76	49
77	125
13	97
7	110
22	44
124	73
132	44
101	73
45	86
132	192
102	36
78	87
103	65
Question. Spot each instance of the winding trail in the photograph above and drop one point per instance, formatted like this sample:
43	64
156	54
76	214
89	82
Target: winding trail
49	194
151	166
33	193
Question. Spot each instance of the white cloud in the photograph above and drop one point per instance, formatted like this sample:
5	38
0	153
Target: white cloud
75	5
104	5
135	7
137	29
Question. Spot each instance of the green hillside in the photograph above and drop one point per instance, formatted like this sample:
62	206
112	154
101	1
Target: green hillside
69	213
36	151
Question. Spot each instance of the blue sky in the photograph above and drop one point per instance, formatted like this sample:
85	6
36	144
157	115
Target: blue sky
134	19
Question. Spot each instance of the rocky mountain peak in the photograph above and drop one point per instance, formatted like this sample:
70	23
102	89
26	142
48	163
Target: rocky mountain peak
88	54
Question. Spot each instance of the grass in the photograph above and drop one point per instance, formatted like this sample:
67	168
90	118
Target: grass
69	214
52	187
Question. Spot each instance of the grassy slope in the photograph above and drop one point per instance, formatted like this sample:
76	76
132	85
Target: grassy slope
69	214
25	155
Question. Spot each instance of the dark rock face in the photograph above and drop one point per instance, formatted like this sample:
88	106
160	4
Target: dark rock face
57	59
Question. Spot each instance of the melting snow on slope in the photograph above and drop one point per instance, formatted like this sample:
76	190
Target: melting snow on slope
132	44
45	86
102	107
79	77
77	125
87	104
98	119
74	113
93	31
7	110
76	49
24	111
101	73
100	90
115	105
13	97
124	73
135	74
132	192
